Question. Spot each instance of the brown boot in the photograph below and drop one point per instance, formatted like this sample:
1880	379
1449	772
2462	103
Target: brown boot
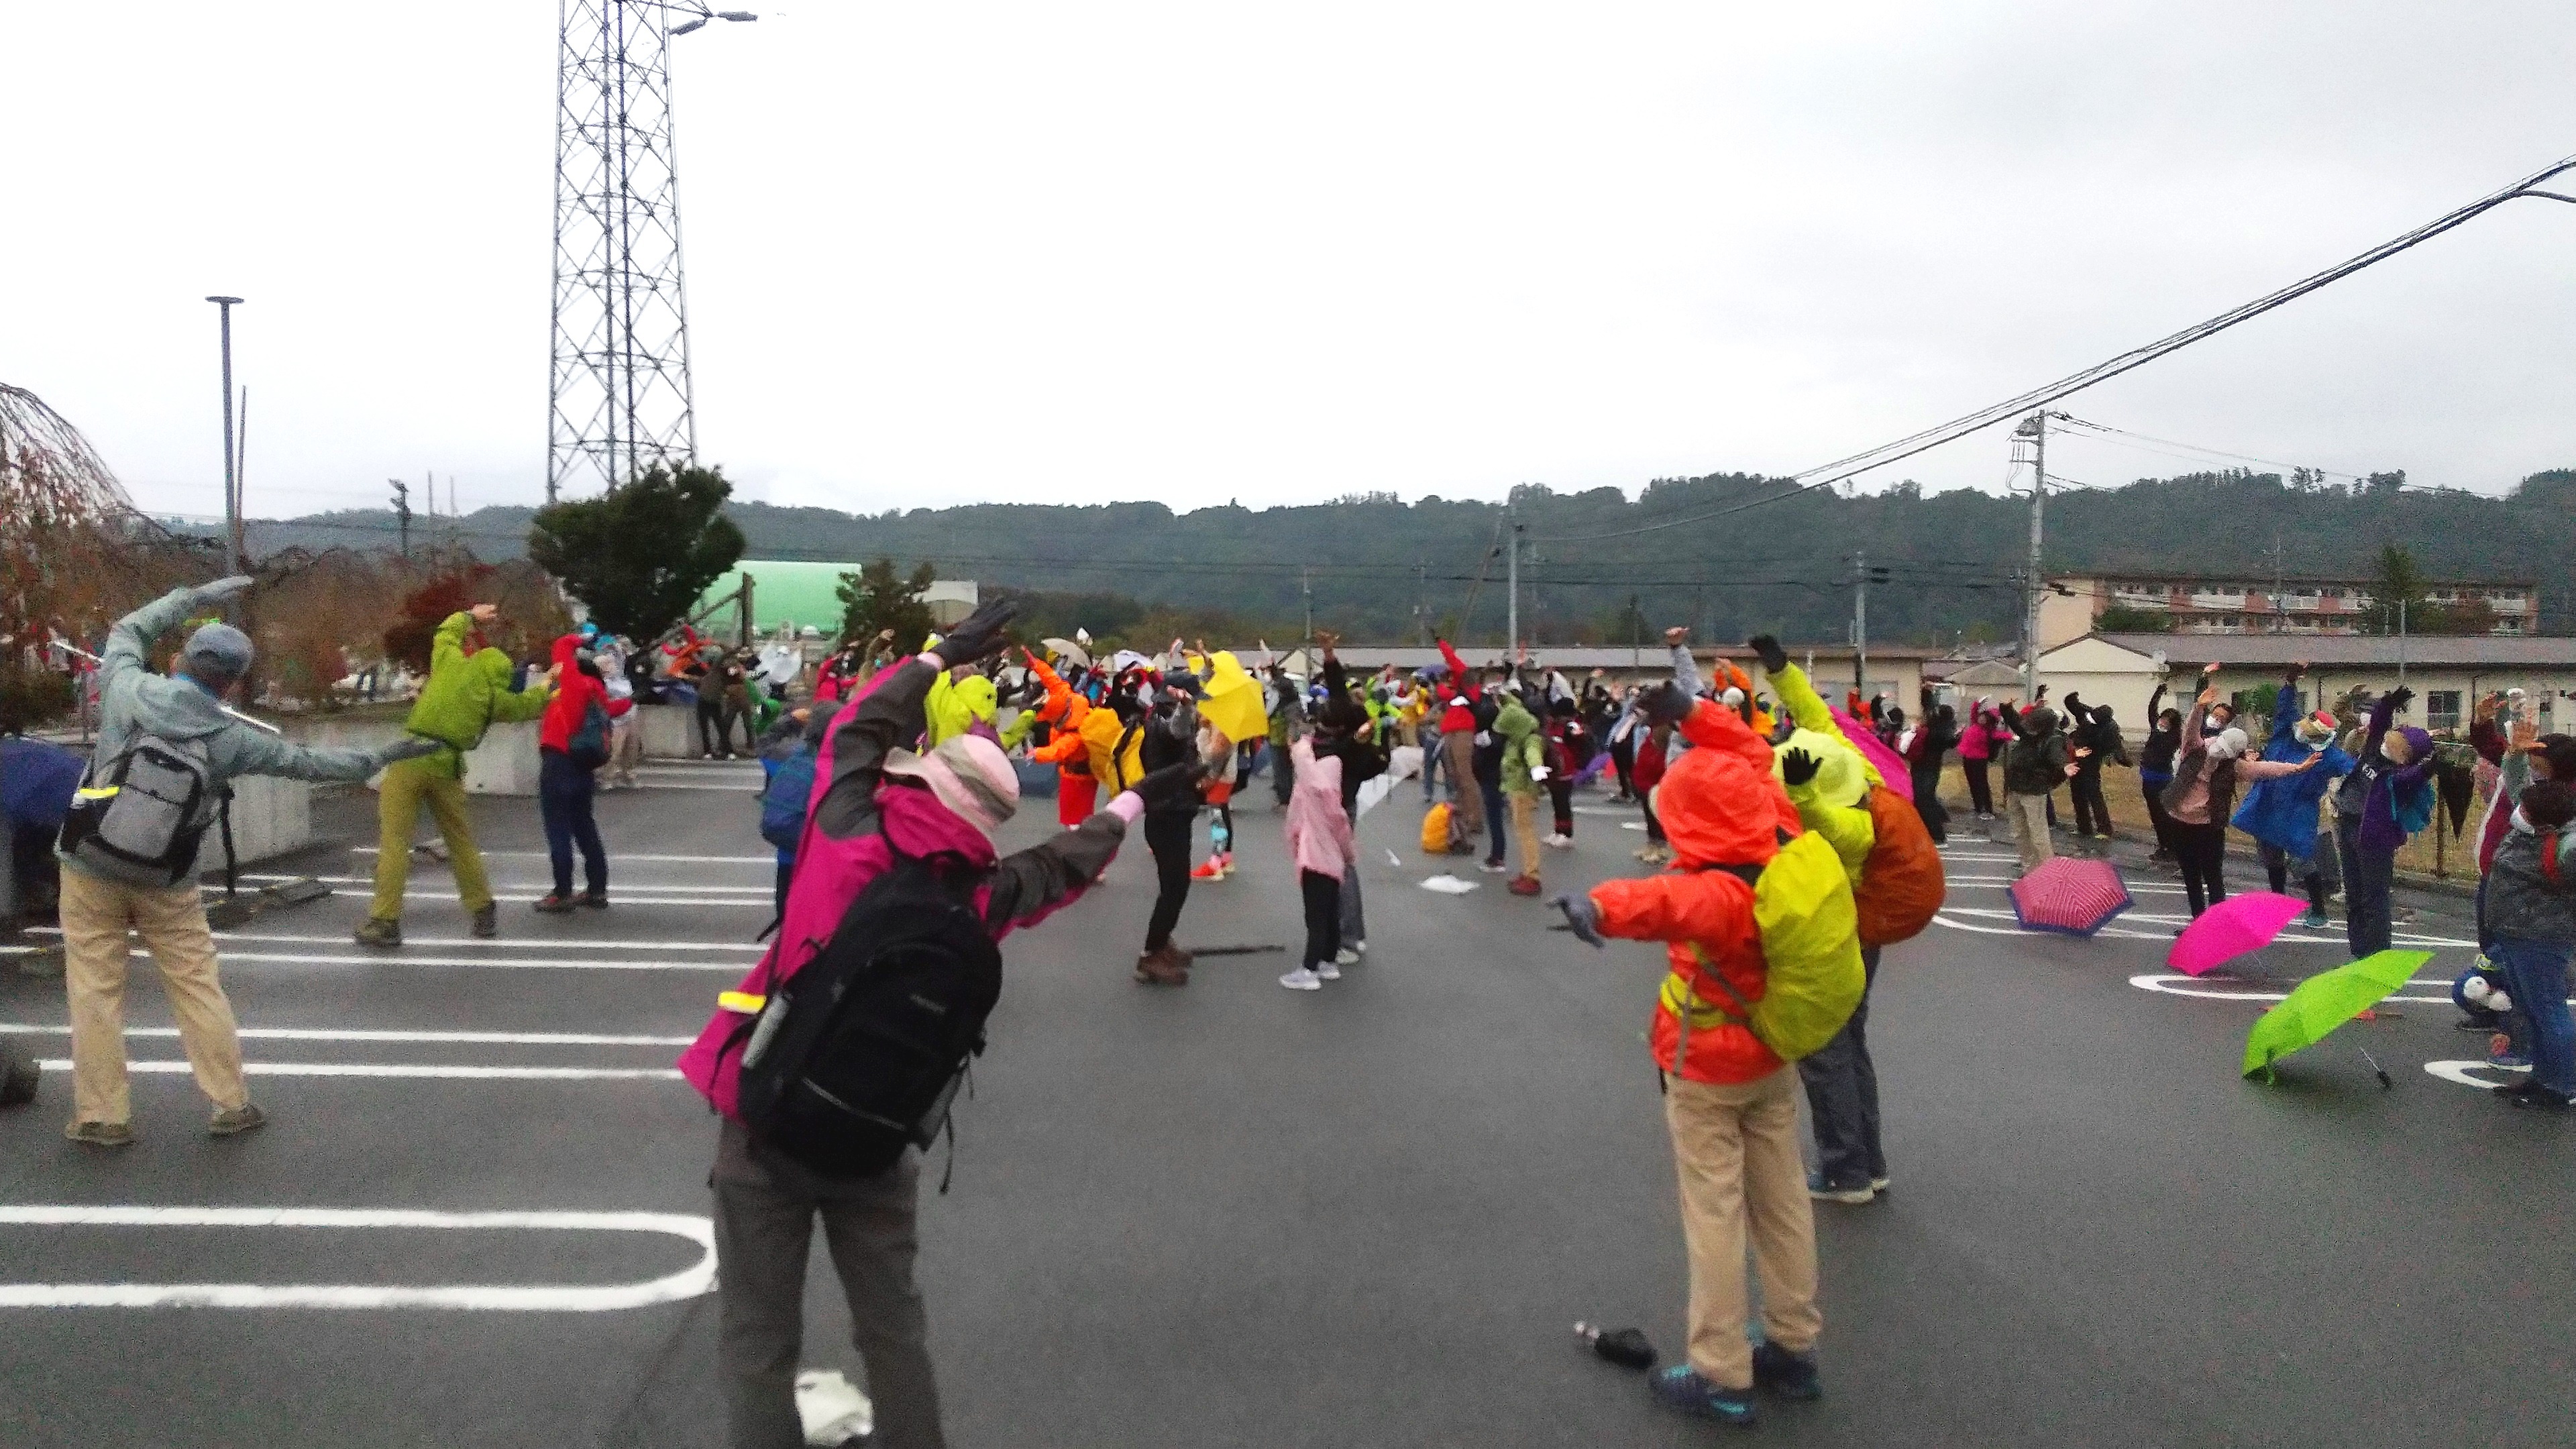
1158	968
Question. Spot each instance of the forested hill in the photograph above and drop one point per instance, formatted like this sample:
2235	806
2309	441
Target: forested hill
1372	561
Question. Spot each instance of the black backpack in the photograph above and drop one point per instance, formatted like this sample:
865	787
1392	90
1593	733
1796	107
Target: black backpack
859	1054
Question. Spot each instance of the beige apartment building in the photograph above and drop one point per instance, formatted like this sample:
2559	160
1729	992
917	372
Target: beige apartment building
2237	604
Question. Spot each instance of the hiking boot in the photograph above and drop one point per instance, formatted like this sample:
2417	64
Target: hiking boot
596	900
1179	957
101	1134
380	933
1302	979
1790	1375
487	921
239	1120
1682	1387
551	904
1523	885
1157	968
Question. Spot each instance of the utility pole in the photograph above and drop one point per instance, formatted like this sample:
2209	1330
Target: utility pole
1306	587
232	486
402	512
2280	581
1860	624
1422	601
1636	634
1512	571
2401	641
2035	428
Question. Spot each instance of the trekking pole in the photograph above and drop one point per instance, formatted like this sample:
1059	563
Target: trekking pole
71	648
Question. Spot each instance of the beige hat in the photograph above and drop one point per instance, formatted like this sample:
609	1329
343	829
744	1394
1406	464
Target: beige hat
970	775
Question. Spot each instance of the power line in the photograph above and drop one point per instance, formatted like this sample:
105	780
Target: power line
2038	398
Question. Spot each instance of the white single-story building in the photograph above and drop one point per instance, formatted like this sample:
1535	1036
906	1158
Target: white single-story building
2448	673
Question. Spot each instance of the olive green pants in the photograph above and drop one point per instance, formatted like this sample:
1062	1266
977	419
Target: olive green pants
408	785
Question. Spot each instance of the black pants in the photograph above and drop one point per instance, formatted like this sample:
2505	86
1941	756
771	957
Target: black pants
2092	812
1496	809
1981	791
1283	773
1842	1098
1560	794
564	805
1167	835
1654	827
715	726
2202	852
1623	758
1926	780
1323	896
38	874
2154	790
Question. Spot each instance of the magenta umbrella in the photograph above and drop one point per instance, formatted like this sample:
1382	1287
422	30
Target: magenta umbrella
2070	895
1891	765
2232	928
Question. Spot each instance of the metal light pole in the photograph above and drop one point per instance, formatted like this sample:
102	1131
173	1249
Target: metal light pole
232	491
2035	428
1512	625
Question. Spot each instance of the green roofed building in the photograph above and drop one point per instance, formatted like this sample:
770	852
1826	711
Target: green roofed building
806	594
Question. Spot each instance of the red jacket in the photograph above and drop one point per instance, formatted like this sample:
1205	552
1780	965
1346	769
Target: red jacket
1457	717
574	694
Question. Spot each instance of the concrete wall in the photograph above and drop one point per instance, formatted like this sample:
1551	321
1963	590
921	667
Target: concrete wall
670	731
504	764
271	817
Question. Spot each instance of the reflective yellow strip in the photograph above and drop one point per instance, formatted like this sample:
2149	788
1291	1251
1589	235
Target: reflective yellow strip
86	793
742	1001
1681	1001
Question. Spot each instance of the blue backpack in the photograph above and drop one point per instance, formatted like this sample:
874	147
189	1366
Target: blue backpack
782	803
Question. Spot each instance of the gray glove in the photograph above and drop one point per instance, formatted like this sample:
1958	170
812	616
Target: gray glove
1581	917
409	747
221	589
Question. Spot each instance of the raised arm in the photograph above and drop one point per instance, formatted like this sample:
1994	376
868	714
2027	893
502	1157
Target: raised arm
2285	707
130	642
1459	680
884	714
1685	668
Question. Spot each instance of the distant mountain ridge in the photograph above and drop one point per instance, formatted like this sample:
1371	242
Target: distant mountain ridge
1708	551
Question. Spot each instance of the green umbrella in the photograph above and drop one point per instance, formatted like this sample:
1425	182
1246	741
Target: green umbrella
2325	1001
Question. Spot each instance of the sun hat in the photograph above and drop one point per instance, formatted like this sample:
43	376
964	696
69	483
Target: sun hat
970	775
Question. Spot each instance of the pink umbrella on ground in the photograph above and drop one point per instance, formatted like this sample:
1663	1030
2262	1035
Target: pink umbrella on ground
1891	765
2234	927
2070	895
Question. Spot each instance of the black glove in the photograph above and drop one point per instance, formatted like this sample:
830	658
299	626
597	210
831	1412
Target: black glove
1666	704
1581	916
1170	788
2399	698
980	634
1798	767
1774	658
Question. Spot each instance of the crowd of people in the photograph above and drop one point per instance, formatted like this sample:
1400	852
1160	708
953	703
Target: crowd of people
1792	841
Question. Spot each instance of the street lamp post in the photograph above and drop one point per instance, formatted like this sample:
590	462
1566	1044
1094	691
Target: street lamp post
232	491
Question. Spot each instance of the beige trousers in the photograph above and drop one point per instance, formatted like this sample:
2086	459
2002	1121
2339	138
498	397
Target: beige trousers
171	920
2030	828
1467	810
1525	830
1736	1145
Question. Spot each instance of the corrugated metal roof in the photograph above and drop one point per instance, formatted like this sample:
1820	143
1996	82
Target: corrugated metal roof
2425	651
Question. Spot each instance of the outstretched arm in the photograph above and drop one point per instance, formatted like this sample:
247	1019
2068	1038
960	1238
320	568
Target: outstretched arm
1032	884
884	715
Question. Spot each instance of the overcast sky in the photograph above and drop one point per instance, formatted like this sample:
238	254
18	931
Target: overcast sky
1191	252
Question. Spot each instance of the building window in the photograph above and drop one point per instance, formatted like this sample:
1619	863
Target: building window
2442	709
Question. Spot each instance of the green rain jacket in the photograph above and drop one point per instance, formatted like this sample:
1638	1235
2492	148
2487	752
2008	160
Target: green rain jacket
1522	747
466	695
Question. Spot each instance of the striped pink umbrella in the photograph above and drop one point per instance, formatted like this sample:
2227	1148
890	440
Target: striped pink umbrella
2069	895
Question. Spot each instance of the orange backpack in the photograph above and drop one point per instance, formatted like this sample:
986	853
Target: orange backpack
1901	885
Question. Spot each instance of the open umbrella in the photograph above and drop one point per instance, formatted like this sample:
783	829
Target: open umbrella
1069	651
1889	764
1231	699
2232	928
2069	895
2325	1001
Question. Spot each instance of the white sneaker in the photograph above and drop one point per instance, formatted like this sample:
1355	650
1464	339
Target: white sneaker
1302	979
1561	842
1327	971
1360	946
1492	867
1346	957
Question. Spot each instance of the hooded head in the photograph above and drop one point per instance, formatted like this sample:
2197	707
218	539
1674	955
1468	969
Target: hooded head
1718	808
1841	776
1513	721
2554	757
2228	744
2405	746
2548	806
216	656
2317	730
968	774
2040	719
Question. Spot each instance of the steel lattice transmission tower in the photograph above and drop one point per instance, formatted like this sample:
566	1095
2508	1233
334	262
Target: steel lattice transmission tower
620	395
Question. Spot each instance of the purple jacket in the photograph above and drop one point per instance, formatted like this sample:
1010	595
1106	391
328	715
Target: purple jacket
2371	788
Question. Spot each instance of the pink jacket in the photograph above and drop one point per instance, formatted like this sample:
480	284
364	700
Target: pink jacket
1319	834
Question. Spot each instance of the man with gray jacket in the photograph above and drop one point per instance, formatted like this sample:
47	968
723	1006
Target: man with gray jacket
168	746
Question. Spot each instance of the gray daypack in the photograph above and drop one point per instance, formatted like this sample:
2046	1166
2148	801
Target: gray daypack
139	815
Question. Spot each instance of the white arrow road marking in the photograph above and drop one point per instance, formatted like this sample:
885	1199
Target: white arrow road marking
2461	1072
690	1282
391	1069
2208	989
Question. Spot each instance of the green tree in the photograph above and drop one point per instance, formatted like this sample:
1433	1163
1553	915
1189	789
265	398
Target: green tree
2397	595
640	555
2126	619
876	599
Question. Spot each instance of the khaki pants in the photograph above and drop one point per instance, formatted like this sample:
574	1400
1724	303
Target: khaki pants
2030	828
625	747
1736	1145
409	785
1467	803
1525	830
172	922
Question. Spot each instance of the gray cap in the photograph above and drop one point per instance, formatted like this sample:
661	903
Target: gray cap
217	655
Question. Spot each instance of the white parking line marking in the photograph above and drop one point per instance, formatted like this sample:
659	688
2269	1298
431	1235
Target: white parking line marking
690	1282
297	1033
394	1069
513	944
762	892
485	963
766	861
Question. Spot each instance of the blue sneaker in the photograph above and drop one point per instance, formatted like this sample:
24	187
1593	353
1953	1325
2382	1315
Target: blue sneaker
2509	1061
1790	1375
1682	1387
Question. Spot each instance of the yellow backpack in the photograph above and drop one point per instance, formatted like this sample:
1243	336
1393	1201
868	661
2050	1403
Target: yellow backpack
1435	830
1802	904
